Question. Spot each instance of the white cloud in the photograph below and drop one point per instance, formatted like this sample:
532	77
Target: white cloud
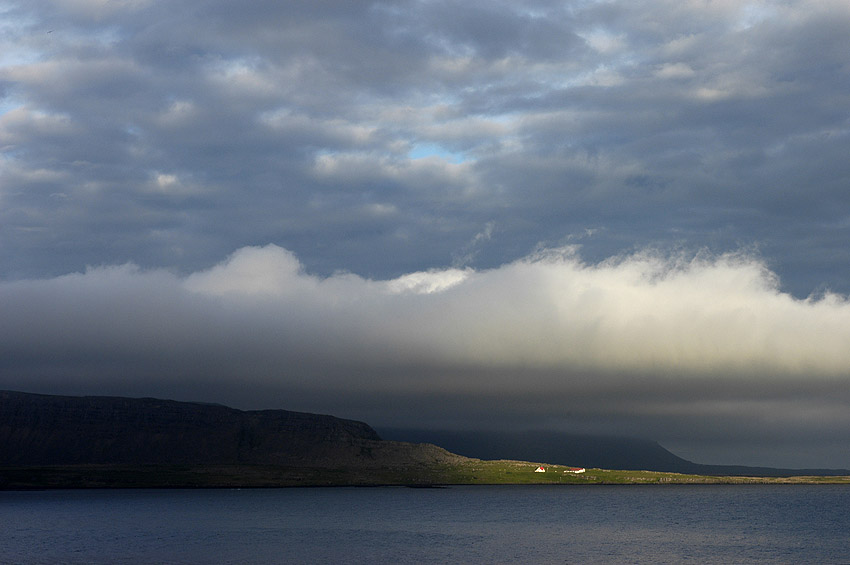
642	313
606	42
428	282
243	78
268	271
179	113
675	71
20	124
636	344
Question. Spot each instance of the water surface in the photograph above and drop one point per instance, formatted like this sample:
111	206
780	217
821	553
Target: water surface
502	524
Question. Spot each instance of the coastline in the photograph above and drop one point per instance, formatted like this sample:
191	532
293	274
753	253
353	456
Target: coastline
470	472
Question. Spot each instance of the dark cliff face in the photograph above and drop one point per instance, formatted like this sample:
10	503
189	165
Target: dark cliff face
52	430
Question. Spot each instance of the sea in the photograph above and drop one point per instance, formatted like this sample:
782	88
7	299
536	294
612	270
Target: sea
460	524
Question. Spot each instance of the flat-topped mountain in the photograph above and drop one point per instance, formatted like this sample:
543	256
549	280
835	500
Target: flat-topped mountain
42	430
113	442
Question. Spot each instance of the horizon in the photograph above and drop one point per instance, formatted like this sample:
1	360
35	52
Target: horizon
605	216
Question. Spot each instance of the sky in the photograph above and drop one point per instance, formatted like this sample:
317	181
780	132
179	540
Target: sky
621	217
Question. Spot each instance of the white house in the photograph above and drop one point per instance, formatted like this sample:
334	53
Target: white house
540	469
575	470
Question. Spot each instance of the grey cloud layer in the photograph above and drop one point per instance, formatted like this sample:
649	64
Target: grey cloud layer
681	349
171	133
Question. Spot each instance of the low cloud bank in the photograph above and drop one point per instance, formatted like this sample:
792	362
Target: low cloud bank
641	340
638	313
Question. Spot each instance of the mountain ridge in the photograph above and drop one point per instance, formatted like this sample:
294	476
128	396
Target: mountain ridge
44	430
597	451
38	429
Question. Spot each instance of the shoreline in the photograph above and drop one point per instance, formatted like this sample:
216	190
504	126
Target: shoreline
471	472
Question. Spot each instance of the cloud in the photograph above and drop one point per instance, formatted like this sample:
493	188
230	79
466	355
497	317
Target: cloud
636	342
374	144
679	124
466	254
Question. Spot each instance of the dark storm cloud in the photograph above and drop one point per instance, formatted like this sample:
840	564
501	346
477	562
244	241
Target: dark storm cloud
685	350
389	140
206	126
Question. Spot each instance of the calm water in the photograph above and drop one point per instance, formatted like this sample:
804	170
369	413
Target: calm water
669	524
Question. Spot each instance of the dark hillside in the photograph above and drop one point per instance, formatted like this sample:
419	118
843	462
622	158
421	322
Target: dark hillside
64	430
39	431
604	452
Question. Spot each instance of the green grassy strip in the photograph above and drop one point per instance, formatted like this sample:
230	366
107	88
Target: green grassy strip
469	472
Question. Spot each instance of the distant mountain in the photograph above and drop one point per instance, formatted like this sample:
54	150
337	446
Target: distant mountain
38	430
44	430
604	452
